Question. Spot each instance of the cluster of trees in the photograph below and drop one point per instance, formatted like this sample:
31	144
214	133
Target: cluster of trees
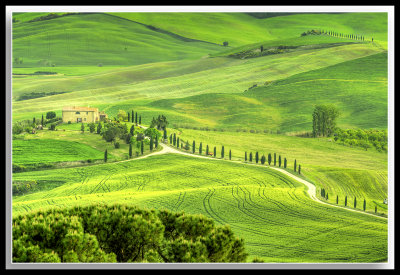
129	116
121	233
281	162
366	139
335	34
161	123
30	126
324	120
37	95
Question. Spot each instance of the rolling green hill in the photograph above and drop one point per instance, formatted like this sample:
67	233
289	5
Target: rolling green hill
271	212
93	39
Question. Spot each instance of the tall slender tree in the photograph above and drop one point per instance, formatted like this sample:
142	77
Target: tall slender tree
355	202
274	159
207	150
200	148
251	157
279	161
230	154
130	150
215	151
245	156
222	152
141	147
295	165
364	205
194	147
105	156
174	140
269	159
299	168
177	142
132	116
256	157
284	163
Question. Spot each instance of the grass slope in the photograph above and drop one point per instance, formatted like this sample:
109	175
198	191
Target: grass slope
271	212
240	28
92	39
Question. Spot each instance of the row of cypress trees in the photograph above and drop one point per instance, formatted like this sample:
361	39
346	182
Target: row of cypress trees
325	195
175	141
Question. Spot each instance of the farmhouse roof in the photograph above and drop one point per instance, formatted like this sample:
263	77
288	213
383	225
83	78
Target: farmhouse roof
82	109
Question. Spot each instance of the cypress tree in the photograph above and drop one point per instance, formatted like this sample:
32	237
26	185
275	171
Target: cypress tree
222	152
262	159
279	160
136	118
345	201
194	147
376	208
200	148
130	150
327	196
337	199
365	205
269	159
165	134
295	165
251	157
170	139
105	156
42	120
230	155
215	151
355	202
177	143
284	163
141	147
83	128
256	157
132	130
245	156
299	168
99	128
274	159
174	140
133	116
140	119
207	150
129	116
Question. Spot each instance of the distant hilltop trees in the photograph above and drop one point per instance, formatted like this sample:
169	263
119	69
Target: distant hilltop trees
335	34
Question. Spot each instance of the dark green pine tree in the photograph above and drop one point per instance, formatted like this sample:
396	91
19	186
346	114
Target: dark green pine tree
130	150
230	154
129	116
337	199
141	147
170	139
194	147
105	156
174	140
345	201
207	150
215	151
355	202
295	165
200	148
299	168
133	117
269	159
285	163
256	157
263	159
279	161
222	152
364	205
251	157
245	156
177	143
140	119
136	118
42	121
274	159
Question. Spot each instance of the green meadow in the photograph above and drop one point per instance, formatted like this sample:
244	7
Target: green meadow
175	64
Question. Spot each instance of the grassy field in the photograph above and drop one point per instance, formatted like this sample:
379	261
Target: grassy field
174	64
273	213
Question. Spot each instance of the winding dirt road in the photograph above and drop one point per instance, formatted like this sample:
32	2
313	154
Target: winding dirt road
166	149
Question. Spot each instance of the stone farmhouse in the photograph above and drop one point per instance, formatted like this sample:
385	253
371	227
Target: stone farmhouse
71	114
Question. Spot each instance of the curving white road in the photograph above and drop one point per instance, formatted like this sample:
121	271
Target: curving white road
166	149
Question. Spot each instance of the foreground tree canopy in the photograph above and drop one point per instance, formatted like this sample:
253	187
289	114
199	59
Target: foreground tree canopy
120	233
